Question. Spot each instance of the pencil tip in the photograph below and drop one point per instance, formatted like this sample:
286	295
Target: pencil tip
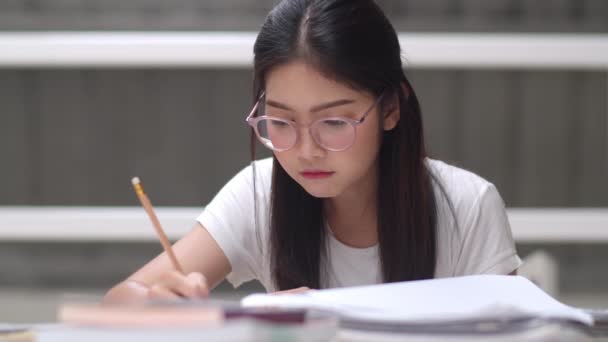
135	180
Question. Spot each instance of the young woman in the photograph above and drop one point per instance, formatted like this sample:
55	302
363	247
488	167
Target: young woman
350	196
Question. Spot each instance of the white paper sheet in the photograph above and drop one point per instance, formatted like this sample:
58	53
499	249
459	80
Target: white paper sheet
438	300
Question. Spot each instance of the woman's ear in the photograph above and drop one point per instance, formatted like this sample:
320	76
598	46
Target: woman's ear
393	109
406	90
391	118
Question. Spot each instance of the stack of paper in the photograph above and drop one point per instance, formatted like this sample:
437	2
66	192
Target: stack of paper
461	299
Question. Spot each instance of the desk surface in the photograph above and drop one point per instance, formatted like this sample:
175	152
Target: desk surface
246	330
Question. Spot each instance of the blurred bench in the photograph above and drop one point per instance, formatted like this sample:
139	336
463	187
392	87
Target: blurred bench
131	224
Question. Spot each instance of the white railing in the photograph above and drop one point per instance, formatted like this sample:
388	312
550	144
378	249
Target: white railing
131	224
235	50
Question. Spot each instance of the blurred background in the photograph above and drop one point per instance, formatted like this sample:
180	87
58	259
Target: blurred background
71	136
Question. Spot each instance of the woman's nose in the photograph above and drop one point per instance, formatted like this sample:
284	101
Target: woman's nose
306	145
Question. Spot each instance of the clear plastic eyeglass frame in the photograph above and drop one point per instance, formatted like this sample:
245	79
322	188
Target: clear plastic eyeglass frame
313	128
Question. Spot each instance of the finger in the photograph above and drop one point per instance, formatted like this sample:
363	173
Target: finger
192	286
198	282
182	285
159	292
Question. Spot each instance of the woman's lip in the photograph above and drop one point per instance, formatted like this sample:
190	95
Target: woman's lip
316	174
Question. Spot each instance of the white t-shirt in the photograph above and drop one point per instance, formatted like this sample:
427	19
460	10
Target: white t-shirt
481	243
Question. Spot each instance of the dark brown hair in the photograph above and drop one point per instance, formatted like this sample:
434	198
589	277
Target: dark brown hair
353	42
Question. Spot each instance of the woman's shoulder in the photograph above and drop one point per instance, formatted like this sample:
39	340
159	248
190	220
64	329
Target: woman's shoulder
484	242
262	168
456	177
265	165
258	171
257	175
462	187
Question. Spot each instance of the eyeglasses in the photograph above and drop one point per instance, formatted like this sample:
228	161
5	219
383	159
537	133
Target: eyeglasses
331	133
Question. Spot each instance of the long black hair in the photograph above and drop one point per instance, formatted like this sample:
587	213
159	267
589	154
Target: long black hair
353	42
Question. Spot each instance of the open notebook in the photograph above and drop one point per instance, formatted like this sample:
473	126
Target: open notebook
461	299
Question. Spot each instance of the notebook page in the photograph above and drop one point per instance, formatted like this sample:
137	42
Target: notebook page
427	301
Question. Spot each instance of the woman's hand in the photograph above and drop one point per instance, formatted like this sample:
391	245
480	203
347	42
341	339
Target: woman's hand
169	286
175	285
203	261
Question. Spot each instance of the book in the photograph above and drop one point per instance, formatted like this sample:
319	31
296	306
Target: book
434	302
197	320
181	313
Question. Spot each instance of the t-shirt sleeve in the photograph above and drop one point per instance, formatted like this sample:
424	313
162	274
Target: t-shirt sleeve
229	218
487	244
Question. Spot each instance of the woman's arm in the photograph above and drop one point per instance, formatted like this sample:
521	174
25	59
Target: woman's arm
204	264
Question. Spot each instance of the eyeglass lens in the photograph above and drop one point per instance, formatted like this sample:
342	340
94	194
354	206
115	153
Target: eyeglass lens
331	133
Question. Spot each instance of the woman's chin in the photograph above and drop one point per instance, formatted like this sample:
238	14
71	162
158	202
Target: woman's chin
320	191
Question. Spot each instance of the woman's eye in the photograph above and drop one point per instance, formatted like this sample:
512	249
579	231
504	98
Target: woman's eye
277	123
334	123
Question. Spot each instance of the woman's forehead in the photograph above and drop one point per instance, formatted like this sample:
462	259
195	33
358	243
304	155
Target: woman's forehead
301	83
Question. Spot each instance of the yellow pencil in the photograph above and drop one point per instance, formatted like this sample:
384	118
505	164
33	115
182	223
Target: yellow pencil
164	241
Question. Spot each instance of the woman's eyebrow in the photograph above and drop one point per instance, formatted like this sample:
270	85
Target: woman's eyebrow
314	109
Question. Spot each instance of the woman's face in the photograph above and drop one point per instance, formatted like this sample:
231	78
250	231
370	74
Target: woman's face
293	91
